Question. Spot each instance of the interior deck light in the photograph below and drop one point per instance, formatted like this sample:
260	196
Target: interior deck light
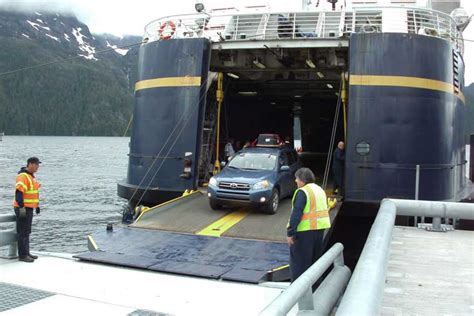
232	75
329	86
320	74
310	63
258	63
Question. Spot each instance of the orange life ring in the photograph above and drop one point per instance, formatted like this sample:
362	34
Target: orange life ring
167	30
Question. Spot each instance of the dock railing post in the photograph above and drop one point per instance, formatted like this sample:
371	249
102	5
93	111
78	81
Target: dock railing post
471	157
437	223
9	237
13	250
417	192
327	293
305	303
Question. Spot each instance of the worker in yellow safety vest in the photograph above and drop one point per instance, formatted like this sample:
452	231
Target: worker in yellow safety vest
26	200
308	221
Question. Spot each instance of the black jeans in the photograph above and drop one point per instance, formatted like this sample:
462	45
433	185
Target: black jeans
23	228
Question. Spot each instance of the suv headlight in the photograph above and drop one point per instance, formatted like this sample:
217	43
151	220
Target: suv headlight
261	185
213	181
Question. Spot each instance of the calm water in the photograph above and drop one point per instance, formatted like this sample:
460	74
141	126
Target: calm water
78	194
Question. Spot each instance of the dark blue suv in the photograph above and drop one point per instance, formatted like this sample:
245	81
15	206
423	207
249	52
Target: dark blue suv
255	176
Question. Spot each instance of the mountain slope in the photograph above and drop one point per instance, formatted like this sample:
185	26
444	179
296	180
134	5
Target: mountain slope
88	92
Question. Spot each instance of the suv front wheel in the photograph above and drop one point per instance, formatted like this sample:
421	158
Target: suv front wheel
214	205
272	205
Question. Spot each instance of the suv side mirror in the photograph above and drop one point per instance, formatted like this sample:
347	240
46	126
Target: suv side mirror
223	164
285	168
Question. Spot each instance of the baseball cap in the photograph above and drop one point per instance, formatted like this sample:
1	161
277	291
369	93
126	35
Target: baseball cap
34	160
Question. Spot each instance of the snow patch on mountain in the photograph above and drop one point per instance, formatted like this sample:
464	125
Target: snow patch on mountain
54	38
120	51
90	57
36	26
84	46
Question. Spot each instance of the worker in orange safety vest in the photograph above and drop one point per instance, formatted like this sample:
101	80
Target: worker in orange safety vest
26	200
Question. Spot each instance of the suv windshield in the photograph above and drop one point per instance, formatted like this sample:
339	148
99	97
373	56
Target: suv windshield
253	161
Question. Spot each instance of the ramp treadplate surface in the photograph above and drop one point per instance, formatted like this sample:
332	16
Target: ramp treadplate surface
210	257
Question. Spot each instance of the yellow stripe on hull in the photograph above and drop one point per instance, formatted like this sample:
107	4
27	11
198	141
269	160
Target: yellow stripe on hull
406	82
186	81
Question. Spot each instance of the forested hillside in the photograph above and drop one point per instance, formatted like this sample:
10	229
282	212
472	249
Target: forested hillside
85	92
88	87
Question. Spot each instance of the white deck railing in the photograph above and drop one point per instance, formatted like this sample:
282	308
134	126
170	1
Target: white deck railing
309	25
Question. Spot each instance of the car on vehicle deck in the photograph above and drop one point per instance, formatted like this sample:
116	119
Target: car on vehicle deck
258	177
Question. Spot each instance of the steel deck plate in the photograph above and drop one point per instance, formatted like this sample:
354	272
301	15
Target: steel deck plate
165	239
186	254
119	259
244	275
189	268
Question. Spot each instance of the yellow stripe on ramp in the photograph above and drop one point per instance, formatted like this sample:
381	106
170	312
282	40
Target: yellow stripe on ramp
280	268
222	225
92	243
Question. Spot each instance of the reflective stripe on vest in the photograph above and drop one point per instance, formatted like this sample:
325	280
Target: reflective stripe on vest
315	214
31	190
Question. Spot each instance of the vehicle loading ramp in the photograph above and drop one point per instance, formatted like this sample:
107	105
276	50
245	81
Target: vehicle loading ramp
193	214
184	236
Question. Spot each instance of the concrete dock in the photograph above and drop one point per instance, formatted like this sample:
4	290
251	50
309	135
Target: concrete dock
65	286
430	273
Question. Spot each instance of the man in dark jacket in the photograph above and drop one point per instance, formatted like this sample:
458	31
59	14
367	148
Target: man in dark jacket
25	202
338	158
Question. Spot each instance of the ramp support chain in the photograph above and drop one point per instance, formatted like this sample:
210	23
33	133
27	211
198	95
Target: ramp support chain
345	77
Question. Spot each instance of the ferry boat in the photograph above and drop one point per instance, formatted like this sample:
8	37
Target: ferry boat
386	77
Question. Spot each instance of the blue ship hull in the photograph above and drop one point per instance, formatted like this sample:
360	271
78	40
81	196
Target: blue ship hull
169	104
405	108
404	104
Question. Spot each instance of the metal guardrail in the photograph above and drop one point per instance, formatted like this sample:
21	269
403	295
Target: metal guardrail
327	294
9	237
310	25
364	293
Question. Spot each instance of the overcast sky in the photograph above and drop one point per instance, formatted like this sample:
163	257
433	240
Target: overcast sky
123	17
